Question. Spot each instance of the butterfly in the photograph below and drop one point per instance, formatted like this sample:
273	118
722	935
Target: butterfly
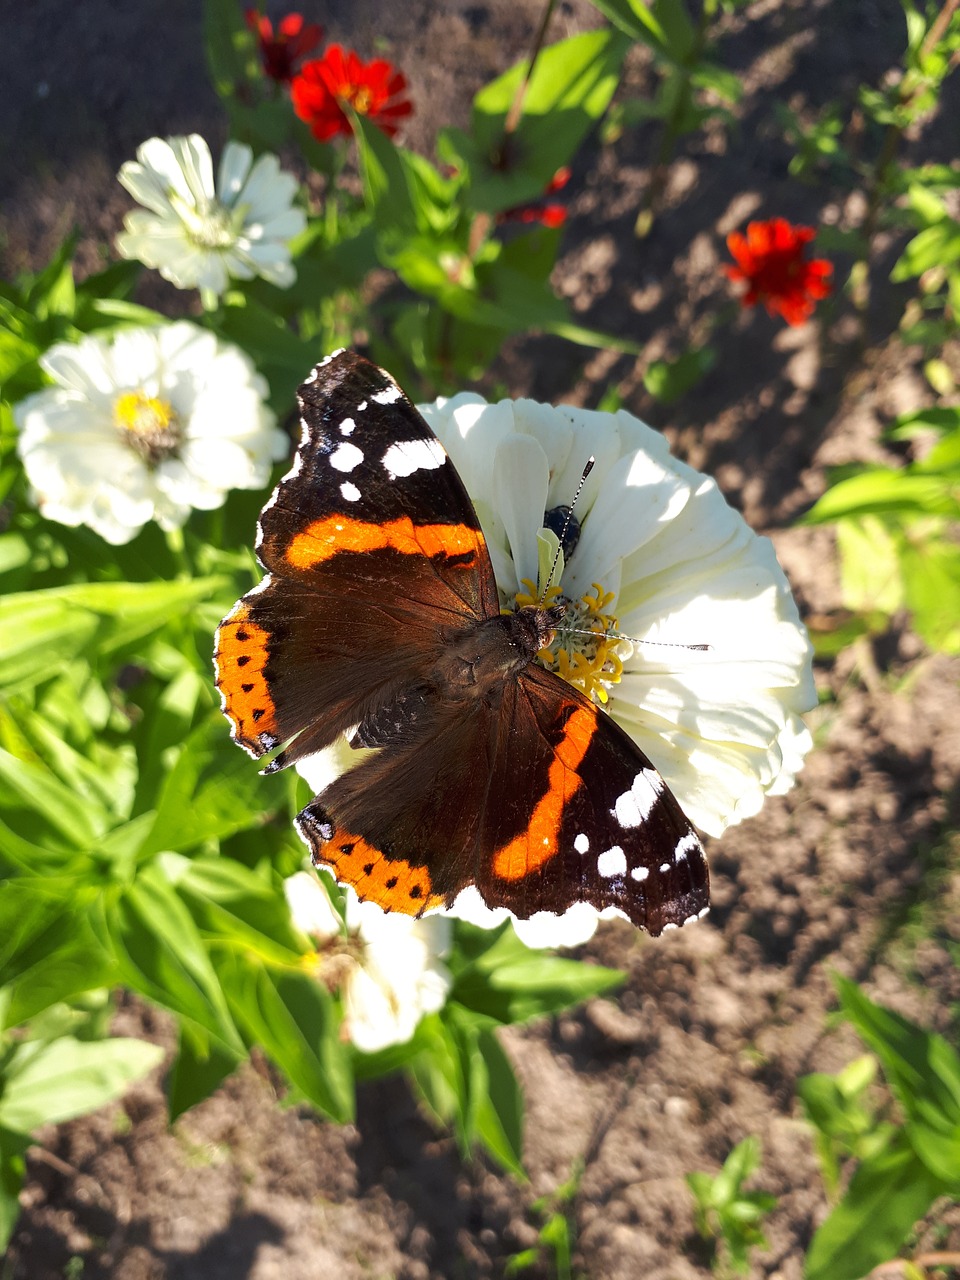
379	619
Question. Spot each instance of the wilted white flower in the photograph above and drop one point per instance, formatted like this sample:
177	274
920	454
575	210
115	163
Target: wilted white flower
146	427
661	558
200	236
388	968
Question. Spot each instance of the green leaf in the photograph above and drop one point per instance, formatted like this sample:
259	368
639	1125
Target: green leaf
668	380
922	1070
51	952
235	906
161	954
888	1194
870	572
500	1108
41	630
936	246
31	790
228	45
293	1018
571	87
930	567
200	1067
510	983
403	190
884	491
212	791
50	1083
13	1147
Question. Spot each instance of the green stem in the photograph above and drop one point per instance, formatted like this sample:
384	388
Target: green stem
178	550
514	115
650	205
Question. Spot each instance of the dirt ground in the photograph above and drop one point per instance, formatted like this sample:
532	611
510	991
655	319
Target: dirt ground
855	870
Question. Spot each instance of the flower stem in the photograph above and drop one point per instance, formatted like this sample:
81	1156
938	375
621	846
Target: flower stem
650	205
178	550
516	107
500	156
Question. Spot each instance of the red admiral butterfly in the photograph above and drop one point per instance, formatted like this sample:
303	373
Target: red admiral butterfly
379	618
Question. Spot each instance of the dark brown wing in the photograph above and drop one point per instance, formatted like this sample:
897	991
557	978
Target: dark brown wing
374	556
536	798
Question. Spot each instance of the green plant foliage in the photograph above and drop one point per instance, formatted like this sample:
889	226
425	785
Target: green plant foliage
894	531
902	1167
726	1214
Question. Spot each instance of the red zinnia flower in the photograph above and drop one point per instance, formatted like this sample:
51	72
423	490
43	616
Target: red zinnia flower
771	262
279	51
339	79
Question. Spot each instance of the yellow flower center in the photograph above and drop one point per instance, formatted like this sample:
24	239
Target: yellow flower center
148	425
209	224
359	96
584	647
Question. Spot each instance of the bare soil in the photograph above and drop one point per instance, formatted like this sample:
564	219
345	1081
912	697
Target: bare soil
855	870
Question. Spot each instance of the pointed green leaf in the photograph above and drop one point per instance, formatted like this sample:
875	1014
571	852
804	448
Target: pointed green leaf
50	1083
887	1195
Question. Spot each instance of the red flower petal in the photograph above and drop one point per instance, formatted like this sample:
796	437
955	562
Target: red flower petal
771	262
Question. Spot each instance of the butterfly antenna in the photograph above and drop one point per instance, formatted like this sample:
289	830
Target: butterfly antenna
588	467
661	644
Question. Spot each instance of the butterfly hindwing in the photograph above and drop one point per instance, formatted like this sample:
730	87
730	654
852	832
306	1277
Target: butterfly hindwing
578	815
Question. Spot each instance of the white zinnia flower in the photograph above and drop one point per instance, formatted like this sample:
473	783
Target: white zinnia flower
388	968
146	427
661	558
198	236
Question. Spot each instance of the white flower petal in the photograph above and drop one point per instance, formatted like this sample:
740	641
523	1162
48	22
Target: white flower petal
311	910
521	476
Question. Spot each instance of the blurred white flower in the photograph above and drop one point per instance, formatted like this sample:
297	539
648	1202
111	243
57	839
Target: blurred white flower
200	236
146	427
662	558
388	968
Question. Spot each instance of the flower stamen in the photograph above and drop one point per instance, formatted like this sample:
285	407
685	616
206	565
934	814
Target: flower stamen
584	648
148	425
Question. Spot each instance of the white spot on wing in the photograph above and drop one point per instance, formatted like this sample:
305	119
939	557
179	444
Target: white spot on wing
346	456
581	843
640	873
350	491
635	805
407	456
689	844
361	406
347	426
670	925
612	862
664	866
389	395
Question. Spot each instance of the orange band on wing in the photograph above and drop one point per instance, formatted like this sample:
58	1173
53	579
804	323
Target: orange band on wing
241	657
392	883
538	844
323	539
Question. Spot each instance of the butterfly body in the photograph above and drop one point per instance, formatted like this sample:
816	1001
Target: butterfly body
379	621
